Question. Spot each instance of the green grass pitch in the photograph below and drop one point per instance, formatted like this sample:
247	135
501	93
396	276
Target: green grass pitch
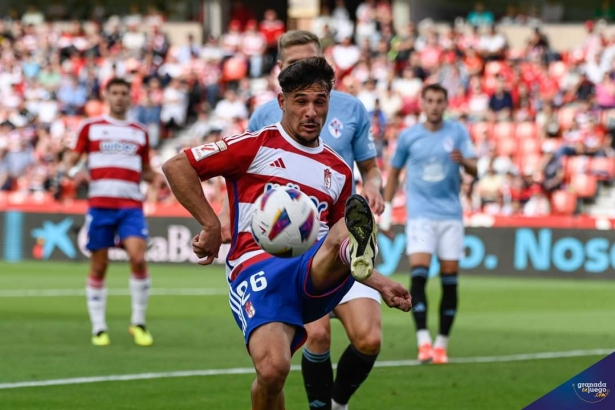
43	338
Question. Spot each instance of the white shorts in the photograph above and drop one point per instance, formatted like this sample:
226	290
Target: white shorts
441	238
358	291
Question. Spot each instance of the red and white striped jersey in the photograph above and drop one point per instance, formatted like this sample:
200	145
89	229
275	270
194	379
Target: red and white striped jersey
255	162
117	151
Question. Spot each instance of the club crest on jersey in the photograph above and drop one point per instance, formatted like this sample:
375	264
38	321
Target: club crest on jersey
327	178
335	128
207	150
249	308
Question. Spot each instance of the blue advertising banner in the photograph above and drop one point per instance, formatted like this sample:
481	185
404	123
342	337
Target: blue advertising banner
574	253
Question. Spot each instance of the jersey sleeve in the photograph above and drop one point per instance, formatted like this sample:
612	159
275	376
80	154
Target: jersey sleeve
402	151
466	146
230	157
83	141
363	142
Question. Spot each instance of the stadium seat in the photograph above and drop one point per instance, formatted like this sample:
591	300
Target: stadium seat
576	165
506	146
503	130
526	130
481	131
585	186
528	161
563	202
529	146
603	168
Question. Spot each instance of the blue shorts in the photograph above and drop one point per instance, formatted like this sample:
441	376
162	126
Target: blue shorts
104	225
278	290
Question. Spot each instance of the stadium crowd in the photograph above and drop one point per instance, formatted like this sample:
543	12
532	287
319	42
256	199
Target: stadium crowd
542	121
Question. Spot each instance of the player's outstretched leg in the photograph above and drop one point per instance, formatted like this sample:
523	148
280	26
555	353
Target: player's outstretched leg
350	247
96	297
269	348
140	284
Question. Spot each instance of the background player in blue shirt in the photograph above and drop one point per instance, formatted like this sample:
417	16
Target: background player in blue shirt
432	153
347	130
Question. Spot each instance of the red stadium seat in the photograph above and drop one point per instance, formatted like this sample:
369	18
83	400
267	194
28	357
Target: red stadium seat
503	130
480	131
526	130
529	161
506	146
563	203
603	168
576	165
585	186
529	146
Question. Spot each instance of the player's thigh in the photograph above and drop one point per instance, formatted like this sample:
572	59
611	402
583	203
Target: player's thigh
135	247
363	323
421	238
100	226
132	223
451	244
270	348
319	335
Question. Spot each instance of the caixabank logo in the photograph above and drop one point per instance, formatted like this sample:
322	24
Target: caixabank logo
589	390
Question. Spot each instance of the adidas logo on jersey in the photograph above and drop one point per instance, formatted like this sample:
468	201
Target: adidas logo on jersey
278	163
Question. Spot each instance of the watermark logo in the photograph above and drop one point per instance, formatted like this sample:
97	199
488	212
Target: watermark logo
591	392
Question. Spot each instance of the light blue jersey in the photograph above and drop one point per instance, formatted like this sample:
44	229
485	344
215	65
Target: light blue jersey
433	180
347	129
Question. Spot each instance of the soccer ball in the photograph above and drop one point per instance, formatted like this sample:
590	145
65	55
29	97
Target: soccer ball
285	222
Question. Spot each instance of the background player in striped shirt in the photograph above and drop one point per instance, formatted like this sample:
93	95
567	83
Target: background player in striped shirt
347	130
271	298
117	160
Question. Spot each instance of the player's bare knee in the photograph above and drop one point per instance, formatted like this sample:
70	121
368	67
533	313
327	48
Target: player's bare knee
138	263
319	339
98	269
368	342
272	372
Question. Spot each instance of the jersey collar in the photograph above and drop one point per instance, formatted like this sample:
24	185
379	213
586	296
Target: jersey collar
291	141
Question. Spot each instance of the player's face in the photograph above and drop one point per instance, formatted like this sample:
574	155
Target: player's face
118	97
434	105
296	53
305	112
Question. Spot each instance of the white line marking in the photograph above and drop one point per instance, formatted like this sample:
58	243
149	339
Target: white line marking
36	293
249	370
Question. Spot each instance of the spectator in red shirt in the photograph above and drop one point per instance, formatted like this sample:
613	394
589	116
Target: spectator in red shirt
272	28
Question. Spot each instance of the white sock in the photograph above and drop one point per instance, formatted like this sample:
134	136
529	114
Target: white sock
337	406
344	252
139	292
97	305
441	342
423	336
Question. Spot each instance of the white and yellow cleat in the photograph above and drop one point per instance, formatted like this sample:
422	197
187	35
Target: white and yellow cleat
141	336
101	339
362	231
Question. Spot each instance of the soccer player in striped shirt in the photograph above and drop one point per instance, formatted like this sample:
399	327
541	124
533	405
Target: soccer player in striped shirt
272	298
117	160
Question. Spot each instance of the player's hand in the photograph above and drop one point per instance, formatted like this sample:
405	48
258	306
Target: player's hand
374	198
456	156
206	245
395	295
80	178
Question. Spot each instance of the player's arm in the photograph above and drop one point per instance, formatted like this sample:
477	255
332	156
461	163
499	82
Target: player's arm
389	193
148	174
72	157
465	155
185	184
372	184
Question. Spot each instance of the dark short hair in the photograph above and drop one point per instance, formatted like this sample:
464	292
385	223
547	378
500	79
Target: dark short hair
436	88
303	74
117	81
